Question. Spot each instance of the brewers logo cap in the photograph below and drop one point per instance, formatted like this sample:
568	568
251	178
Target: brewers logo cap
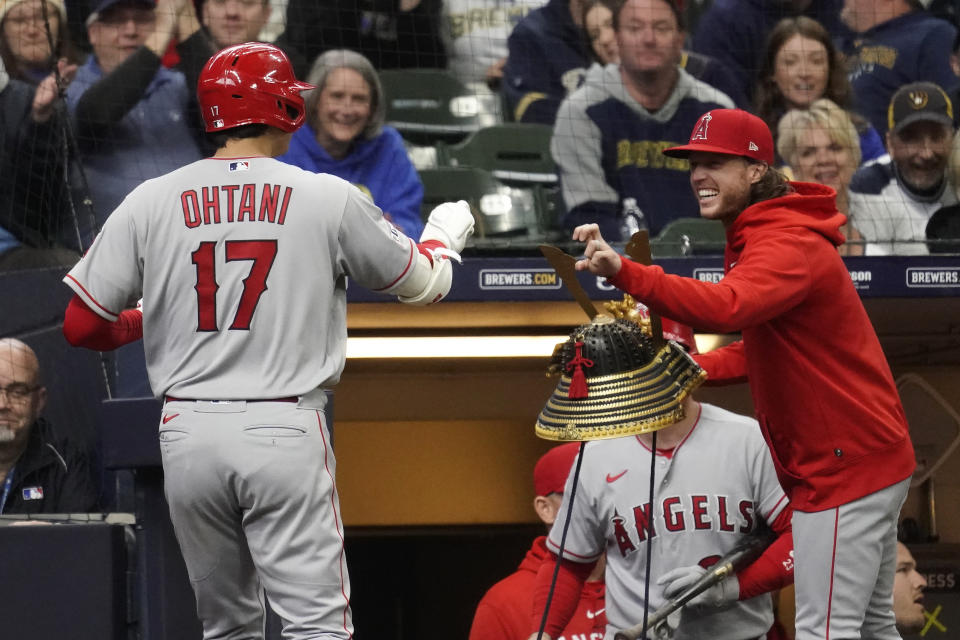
733	132
916	102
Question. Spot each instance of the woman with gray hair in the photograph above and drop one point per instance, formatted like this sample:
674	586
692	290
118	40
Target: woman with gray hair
344	135
821	144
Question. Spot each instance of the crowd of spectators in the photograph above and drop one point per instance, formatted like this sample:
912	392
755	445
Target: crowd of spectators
623	89
97	97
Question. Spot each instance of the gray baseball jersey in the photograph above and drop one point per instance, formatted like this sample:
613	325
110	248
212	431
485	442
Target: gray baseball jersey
713	489
242	264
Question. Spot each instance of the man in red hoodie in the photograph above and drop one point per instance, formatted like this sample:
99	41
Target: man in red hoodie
822	389
504	611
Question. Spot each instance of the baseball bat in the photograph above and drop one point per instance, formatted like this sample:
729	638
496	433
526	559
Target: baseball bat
745	552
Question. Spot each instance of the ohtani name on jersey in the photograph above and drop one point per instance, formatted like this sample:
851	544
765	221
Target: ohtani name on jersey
676	514
235	203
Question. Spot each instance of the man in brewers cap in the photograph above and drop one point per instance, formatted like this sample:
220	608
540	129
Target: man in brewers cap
891	202
822	389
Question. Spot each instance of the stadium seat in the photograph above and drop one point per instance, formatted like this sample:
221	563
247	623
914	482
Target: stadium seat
428	105
501	211
690	236
516	153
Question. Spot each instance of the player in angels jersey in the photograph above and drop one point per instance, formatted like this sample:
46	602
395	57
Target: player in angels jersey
714	484
242	262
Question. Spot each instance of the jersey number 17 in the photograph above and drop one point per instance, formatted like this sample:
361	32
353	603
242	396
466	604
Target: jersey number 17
260	252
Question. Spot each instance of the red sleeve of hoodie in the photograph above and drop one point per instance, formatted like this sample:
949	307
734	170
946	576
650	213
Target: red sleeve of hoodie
771	276
726	365
566	595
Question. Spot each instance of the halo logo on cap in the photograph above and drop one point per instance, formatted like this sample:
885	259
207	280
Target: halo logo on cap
702	126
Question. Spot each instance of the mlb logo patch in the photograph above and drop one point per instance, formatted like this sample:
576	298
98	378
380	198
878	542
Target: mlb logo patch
240	165
32	493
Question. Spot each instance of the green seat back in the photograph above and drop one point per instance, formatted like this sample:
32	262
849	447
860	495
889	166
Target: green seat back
516	153
427	105
499	210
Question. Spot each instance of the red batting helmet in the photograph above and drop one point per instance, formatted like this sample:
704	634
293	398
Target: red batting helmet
250	83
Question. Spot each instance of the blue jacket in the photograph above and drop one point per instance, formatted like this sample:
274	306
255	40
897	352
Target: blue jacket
913	47
380	167
546	60
153	137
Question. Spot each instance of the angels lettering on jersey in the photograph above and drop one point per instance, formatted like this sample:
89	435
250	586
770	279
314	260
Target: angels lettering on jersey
680	514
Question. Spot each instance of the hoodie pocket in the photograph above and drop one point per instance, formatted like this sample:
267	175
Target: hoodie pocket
781	447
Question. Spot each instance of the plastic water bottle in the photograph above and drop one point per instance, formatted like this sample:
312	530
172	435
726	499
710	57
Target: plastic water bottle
631	219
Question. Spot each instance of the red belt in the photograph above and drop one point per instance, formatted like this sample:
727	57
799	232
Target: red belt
287	399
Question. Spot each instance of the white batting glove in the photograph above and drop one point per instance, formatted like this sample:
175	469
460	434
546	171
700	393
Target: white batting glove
451	223
139	306
682	578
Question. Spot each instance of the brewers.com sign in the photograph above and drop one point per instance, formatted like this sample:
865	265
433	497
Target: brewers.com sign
501	279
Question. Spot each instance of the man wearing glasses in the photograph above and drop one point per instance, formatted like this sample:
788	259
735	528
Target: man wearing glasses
39	472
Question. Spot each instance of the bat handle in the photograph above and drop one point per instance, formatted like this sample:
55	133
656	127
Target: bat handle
715	575
636	632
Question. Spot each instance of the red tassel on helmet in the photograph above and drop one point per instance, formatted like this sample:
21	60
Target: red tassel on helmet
578	380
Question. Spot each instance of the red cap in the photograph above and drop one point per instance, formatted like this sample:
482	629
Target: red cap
680	333
732	132
550	473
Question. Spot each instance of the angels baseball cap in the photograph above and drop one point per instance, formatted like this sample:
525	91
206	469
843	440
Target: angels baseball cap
733	132
551	471
919	101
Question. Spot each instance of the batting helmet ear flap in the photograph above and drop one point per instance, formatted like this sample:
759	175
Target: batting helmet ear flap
251	83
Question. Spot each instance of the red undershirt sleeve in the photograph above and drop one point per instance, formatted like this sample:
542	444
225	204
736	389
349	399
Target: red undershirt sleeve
566	595
774	568
425	247
84	328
